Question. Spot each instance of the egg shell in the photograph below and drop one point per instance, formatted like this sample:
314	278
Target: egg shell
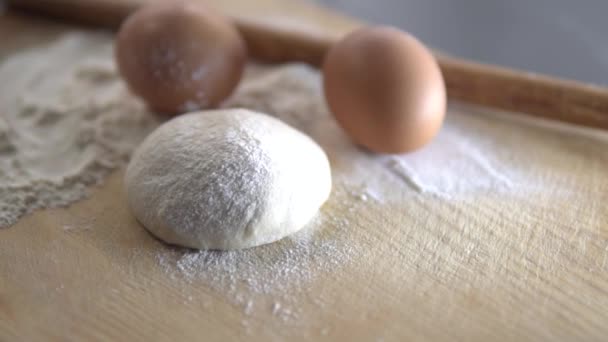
180	56
385	89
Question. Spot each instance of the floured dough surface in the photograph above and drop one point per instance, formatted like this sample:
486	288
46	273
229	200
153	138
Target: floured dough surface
226	179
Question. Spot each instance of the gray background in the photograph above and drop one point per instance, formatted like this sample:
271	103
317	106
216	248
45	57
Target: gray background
558	37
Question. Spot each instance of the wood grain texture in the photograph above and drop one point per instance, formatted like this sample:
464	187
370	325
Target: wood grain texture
487	266
476	83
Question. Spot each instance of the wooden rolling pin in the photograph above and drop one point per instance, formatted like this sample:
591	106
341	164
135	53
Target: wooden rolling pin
532	94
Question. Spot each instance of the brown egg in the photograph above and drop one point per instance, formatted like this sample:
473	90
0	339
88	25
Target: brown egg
180	56
385	89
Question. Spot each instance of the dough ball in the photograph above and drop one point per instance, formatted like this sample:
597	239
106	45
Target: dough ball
226	179
180	56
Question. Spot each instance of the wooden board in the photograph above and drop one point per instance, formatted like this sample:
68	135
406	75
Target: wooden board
487	266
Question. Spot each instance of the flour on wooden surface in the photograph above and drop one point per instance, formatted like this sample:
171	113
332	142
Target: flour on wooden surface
456	162
279	271
66	122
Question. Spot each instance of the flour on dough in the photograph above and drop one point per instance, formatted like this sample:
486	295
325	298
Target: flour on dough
226	179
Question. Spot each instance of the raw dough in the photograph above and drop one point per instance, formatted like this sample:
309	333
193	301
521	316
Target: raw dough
226	179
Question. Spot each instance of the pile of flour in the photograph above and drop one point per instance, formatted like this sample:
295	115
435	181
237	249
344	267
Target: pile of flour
68	120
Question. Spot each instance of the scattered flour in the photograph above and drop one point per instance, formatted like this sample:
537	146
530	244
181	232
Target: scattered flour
279	271
451	165
67	121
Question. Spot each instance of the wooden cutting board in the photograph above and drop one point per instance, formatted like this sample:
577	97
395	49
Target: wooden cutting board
426	268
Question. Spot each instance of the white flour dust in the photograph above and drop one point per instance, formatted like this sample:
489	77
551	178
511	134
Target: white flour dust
279	271
292	93
67	121
451	165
